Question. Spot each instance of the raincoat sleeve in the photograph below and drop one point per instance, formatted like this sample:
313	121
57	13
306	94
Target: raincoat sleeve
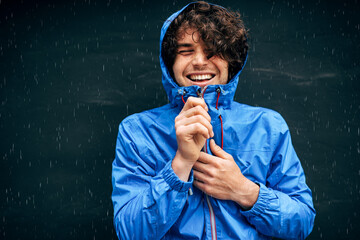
284	207
146	203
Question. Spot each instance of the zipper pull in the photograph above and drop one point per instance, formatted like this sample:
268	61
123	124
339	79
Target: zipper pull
190	192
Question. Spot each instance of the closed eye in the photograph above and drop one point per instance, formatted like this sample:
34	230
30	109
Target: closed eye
185	52
209	53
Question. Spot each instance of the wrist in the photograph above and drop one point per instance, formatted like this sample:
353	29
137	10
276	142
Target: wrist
181	167
249	195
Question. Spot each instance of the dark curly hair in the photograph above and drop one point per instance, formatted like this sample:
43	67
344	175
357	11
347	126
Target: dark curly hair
222	31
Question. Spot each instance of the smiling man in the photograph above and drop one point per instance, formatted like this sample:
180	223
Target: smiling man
204	166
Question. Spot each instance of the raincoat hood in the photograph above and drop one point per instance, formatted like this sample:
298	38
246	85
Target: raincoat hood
175	92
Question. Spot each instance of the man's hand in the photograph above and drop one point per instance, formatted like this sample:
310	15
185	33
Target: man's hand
192	128
220	177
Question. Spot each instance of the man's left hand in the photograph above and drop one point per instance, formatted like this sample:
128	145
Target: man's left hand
220	177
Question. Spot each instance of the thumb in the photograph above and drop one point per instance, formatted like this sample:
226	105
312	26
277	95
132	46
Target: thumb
217	150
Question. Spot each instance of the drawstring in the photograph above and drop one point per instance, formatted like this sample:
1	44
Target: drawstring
201	93
204	92
222	133
182	96
218	90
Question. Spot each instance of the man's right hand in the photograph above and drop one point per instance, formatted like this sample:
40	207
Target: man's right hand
192	128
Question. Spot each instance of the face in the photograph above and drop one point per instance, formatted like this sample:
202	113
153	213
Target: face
192	65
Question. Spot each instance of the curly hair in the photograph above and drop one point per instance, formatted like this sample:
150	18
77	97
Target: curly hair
222	31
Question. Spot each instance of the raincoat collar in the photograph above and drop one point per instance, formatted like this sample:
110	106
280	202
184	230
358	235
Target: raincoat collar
176	94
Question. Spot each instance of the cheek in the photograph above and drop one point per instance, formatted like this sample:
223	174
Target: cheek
227	70
178	70
223	67
225	76
176	67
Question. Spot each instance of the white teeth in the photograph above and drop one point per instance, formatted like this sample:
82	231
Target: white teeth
200	77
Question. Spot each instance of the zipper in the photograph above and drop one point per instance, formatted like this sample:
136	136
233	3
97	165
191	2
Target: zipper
212	219
201	92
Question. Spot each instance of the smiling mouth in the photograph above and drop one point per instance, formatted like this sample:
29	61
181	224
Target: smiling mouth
200	77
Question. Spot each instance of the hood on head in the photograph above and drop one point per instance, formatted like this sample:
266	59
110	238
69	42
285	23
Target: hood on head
171	87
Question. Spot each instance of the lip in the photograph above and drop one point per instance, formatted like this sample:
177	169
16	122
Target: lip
201	83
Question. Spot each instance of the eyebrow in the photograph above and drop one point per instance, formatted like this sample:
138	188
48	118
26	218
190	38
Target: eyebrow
184	45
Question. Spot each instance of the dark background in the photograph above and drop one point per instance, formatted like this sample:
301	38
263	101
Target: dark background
70	71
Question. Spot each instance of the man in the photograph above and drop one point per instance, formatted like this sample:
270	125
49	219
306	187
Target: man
204	166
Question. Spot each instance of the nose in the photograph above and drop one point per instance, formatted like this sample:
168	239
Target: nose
200	58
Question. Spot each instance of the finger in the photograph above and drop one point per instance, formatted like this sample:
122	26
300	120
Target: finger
200	185
192	102
200	166
207	164
197	110
191	130
204	168
218	151
199	176
195	119
207	158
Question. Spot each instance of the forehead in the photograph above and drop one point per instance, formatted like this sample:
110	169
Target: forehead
188	34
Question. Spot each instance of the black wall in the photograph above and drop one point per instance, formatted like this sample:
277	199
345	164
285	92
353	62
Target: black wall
71	71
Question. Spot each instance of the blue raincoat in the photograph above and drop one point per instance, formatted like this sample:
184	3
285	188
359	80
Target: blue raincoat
151	202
